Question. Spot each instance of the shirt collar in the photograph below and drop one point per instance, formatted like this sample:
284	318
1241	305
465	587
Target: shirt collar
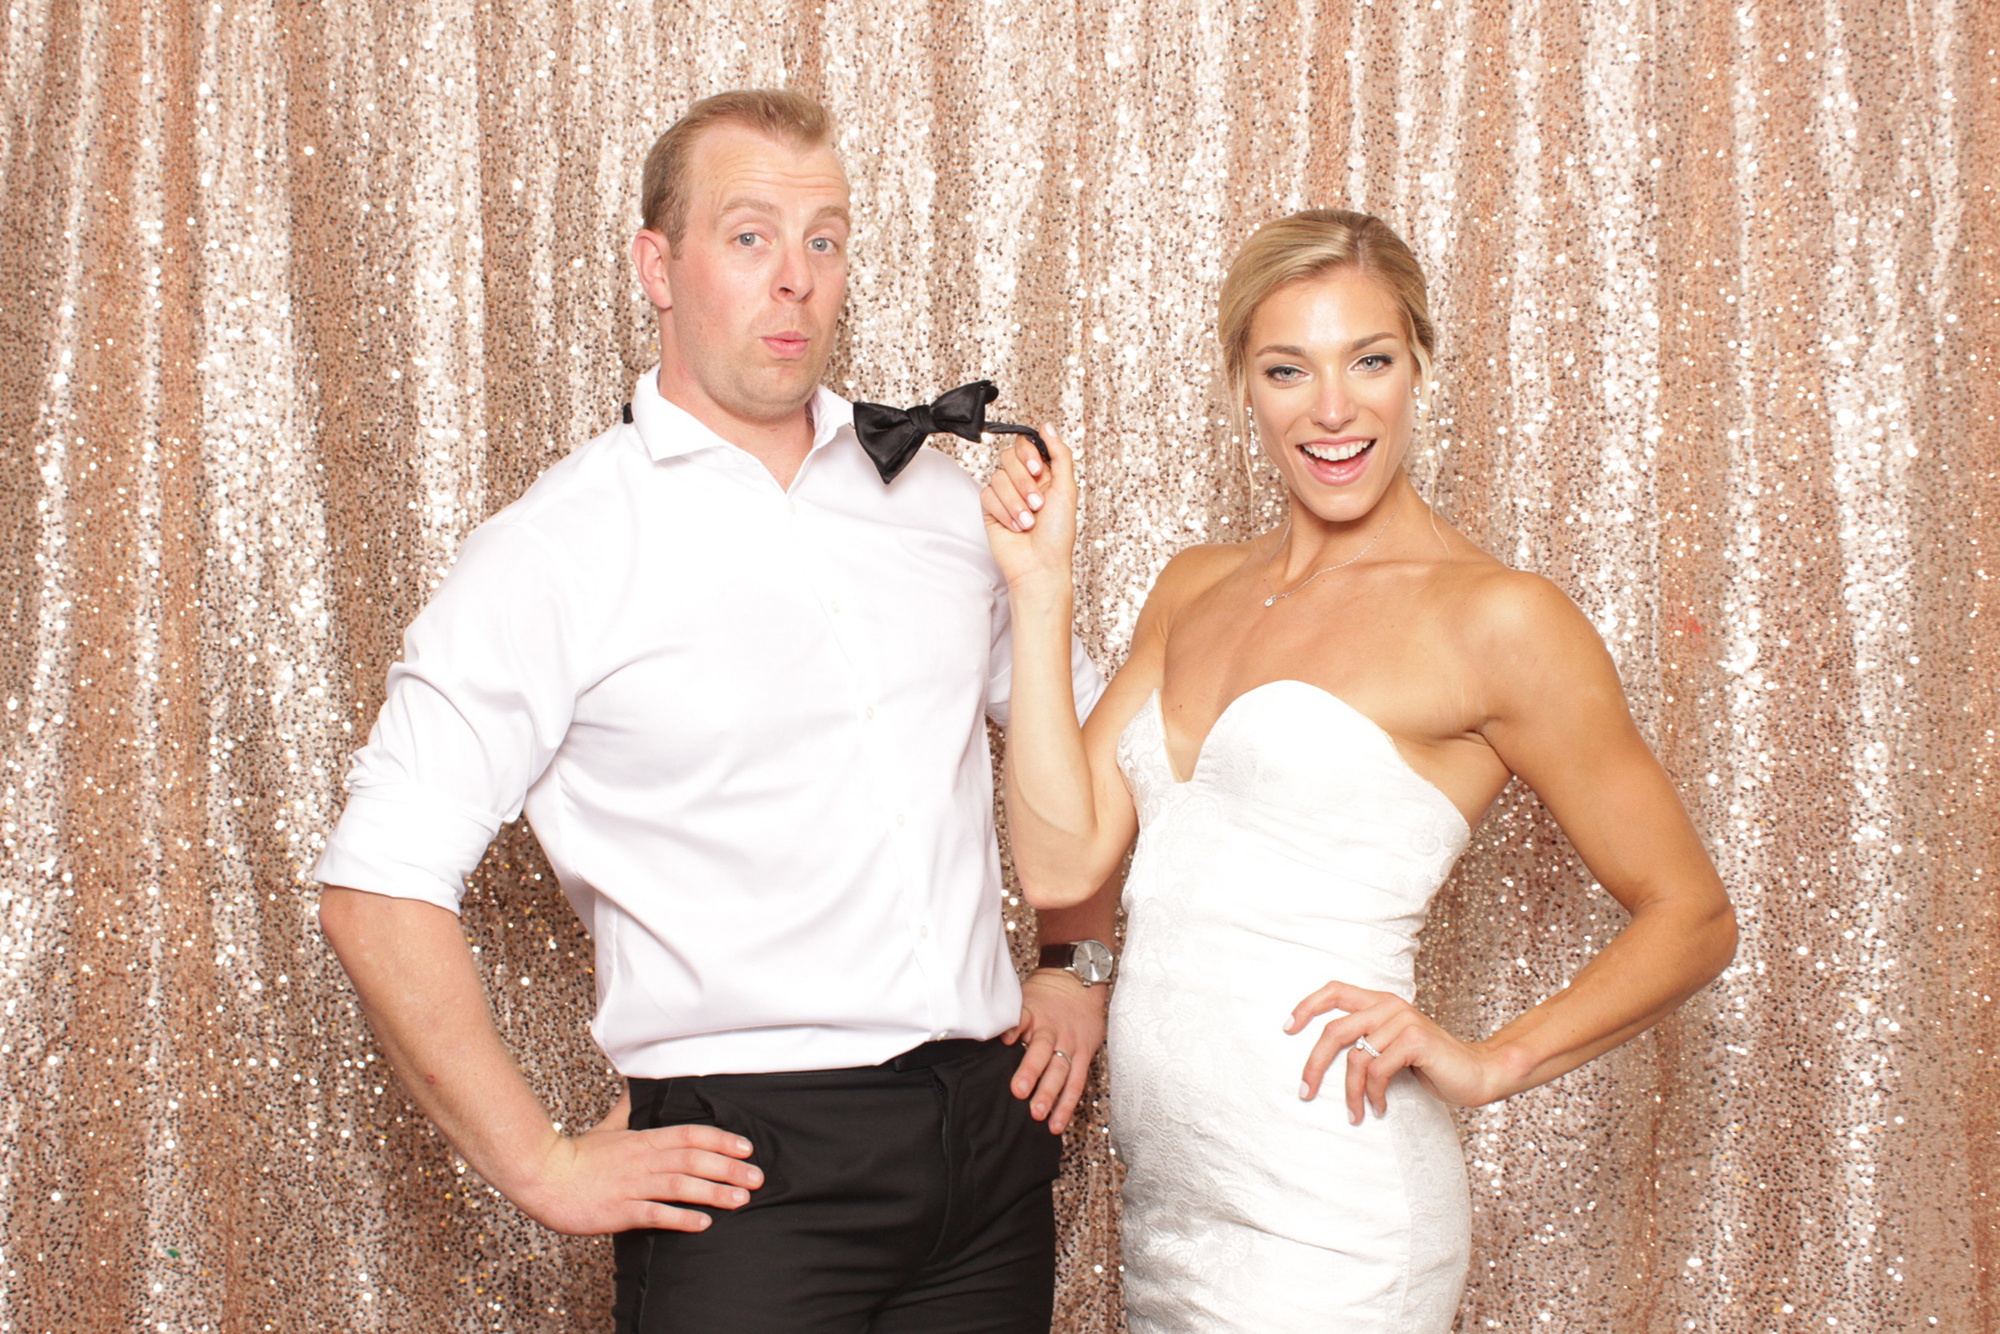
670	431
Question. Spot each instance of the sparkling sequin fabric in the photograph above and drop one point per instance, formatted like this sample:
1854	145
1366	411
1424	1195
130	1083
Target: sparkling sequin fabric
293	295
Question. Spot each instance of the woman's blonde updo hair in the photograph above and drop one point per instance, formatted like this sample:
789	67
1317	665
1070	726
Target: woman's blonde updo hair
1306	245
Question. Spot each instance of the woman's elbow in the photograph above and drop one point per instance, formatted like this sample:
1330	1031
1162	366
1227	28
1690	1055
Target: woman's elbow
1048	894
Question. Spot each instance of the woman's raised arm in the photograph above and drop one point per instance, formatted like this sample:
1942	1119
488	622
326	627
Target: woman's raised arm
1069	813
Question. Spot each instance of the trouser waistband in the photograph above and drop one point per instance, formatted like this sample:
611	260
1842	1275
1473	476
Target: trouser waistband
941	1051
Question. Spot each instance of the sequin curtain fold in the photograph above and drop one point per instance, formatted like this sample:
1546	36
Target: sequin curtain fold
295	295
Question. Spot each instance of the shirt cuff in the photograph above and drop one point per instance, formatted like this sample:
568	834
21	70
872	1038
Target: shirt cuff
405	842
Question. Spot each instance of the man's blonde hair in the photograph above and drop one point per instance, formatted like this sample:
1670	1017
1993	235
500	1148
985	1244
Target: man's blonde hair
1307	245
777	112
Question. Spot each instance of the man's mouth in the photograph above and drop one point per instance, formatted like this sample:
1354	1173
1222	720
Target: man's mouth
787	344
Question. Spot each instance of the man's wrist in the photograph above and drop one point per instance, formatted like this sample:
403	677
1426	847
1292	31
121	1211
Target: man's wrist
1067	983
1090	962
526	1168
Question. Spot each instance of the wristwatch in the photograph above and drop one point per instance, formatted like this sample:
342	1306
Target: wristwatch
1089	961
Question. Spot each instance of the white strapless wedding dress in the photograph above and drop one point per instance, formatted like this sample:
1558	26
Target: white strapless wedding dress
1303	849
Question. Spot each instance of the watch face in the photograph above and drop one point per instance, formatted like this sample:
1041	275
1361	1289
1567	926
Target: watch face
1091	960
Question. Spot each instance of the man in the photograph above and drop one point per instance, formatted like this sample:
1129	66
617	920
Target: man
738	684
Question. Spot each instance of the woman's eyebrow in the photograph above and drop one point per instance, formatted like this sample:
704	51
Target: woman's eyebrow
1288	350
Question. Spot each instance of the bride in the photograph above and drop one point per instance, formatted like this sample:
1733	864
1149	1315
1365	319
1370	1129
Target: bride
1308	727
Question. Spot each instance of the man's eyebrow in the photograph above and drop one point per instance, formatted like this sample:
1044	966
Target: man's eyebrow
745	204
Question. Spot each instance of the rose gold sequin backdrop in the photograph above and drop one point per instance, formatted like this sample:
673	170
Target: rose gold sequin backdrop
295	295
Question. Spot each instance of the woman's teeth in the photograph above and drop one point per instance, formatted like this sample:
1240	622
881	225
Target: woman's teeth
1336	453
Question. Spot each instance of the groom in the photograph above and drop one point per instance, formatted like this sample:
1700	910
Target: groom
739	685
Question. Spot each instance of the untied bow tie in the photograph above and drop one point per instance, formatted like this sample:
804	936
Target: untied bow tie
892	435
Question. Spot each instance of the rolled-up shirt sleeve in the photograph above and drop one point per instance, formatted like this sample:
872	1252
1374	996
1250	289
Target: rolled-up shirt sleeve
473	714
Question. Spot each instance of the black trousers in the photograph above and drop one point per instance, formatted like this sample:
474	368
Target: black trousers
910	1197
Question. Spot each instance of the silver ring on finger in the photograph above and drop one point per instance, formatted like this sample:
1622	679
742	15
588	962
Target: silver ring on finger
1063	1054
1367	1046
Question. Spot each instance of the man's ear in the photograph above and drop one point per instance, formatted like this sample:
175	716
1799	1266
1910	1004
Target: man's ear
650	252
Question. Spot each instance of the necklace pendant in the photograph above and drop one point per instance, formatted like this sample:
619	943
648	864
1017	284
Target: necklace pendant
1271	599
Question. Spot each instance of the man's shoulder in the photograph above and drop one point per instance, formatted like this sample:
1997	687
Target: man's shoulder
936	488
573	517
594	473
589	491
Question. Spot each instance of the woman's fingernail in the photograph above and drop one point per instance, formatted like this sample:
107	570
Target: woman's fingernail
1305	1091
1034	466
1034	500
1027	519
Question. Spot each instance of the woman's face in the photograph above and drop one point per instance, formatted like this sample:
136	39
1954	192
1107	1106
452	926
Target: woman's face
1332	390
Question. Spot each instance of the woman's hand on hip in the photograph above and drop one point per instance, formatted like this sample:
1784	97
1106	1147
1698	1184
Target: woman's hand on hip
1383	1033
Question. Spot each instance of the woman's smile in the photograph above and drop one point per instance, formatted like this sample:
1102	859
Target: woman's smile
1338	462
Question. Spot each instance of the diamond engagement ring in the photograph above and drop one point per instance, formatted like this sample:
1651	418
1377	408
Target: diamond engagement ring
1366	1046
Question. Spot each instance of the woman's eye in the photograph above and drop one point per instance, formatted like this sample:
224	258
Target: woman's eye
1283	374
1376	361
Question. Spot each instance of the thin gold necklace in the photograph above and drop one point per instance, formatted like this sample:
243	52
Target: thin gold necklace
1279	597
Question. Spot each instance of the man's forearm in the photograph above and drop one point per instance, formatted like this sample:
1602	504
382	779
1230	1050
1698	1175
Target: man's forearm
423	997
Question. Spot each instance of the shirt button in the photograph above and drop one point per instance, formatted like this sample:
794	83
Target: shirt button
923	933
900	821
833	606
942	1034
792	505
868	712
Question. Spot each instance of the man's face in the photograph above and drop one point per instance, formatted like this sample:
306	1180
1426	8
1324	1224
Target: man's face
758	280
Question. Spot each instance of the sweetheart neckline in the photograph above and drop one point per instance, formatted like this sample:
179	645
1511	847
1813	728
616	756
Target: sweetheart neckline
1167	755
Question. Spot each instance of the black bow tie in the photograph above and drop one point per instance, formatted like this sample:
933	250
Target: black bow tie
891	435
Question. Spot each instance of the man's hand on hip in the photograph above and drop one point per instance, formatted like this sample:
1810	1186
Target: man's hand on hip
1061	1028
611	1179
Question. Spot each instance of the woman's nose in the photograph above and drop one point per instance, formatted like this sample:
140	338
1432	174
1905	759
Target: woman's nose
1333	408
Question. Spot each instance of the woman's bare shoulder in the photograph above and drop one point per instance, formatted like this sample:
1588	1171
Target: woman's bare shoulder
1194	570
1516	629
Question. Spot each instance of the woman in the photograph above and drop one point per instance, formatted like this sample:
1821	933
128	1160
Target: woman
1308	726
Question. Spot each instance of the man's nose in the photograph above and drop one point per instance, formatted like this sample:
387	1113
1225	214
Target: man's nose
794	279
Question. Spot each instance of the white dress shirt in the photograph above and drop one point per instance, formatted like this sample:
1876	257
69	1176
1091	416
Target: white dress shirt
746	725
